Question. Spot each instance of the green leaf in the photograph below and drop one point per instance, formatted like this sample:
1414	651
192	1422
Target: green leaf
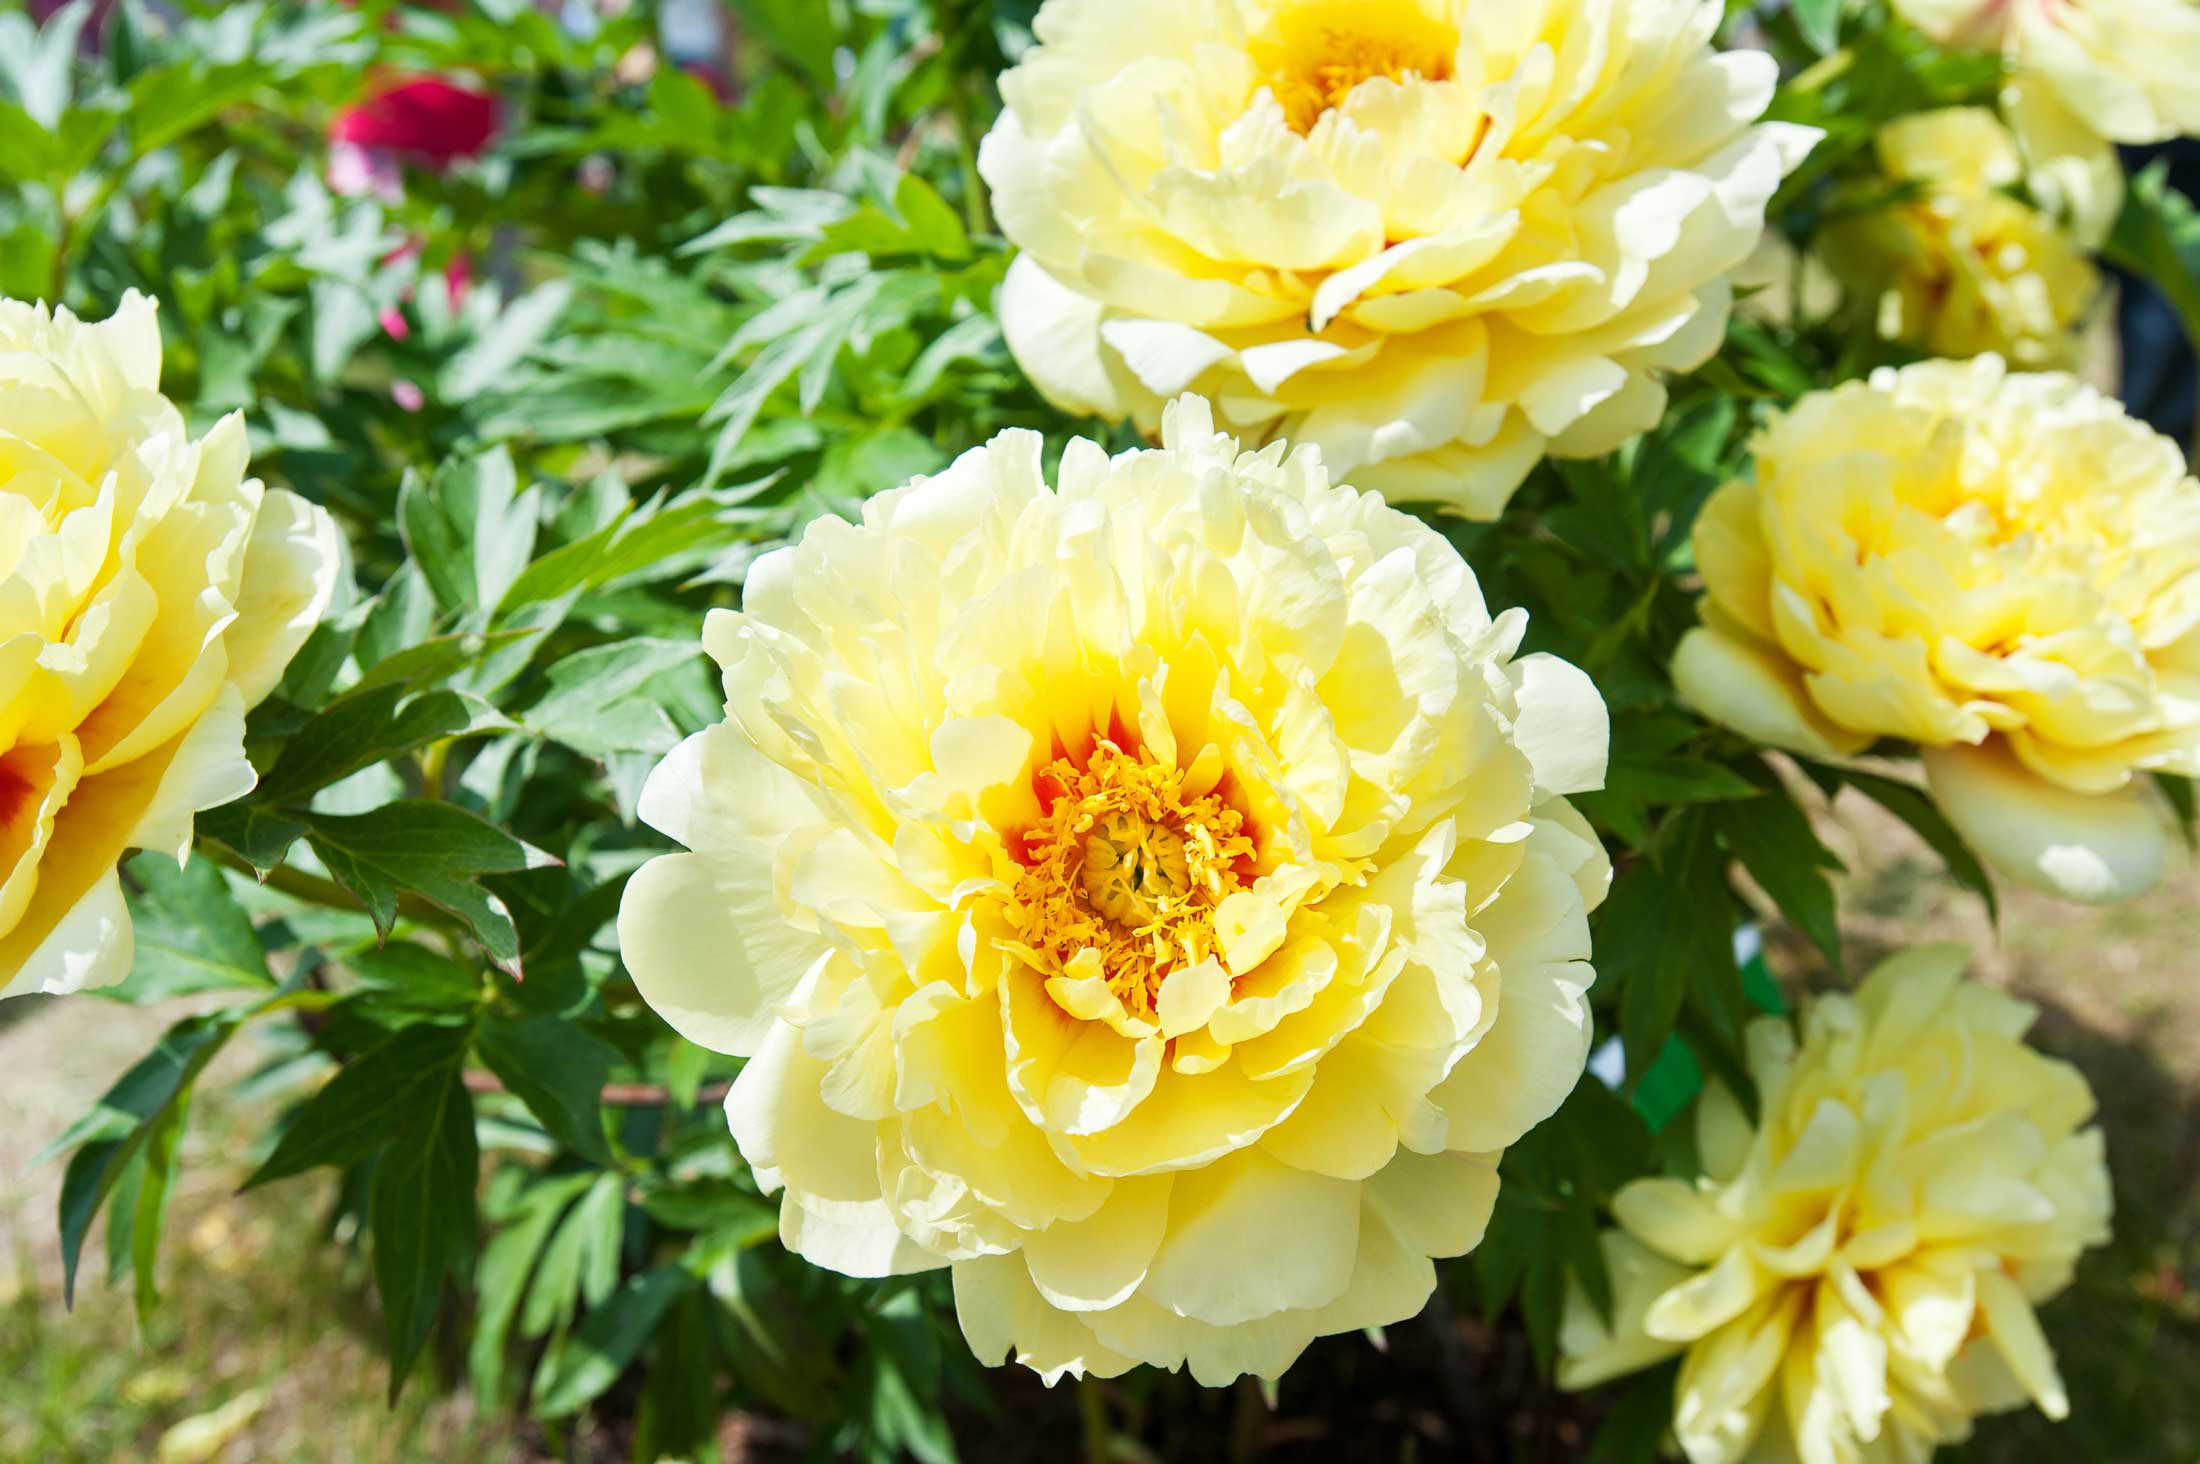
163	1145
371	1097
581	1259
1665	935
1634	1431
260	835
121	1126
502	1278
599	699
1775	842
469	528
422	1214
191	934
416	977
524	324
433	850
2179	792
590	1360
369	727
680	1394
558	1071
2157	237
1819	21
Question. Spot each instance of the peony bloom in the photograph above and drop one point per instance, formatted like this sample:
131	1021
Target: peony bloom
1964	268
151	595
2082	74
1437	239
424	121
2123	66
1151	898
2002	569
1854	1280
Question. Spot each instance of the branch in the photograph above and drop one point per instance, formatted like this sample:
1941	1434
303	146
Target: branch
614	1095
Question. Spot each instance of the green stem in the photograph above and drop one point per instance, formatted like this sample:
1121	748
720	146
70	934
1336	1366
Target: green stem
1092	1412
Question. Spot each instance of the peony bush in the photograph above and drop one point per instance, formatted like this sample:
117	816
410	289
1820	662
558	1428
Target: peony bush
850	694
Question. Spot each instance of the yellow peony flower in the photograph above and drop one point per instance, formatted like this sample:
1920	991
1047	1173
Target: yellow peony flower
2003	569
2125	67
1854	1279
1963	268
151	595
2081	75
1151	898
1435	238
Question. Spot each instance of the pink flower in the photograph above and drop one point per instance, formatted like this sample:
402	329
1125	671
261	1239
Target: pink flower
428	120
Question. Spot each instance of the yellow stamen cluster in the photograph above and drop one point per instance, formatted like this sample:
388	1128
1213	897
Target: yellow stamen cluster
1129	865
1322	62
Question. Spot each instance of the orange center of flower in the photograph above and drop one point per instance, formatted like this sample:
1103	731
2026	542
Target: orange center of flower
15	795
1319	58
1127	863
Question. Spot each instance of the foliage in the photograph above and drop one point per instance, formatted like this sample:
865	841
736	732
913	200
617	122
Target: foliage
692	326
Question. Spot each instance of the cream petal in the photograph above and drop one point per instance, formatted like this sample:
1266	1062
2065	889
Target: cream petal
207	770
855	1238
1562	725
1205	1269
1002	1312
2015	1333
1753	691
709	950
291	567
91	945
2095	848
1054	334
1097	1262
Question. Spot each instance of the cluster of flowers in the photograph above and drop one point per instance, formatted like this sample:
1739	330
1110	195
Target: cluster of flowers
1154	896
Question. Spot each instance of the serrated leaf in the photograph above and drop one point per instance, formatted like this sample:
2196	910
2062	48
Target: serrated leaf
469	528
365	728
431	849
597	699
522	326
582	1258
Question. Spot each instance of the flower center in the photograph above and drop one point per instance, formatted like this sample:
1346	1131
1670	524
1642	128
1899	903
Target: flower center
15	792
1318	59
1135	870
1128	862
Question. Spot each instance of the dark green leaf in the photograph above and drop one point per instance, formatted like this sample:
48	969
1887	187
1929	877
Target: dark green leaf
558	1071
191	935
370	1098
1775	842
431	849
422	1213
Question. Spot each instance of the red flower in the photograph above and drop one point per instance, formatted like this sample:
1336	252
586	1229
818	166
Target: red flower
427	118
